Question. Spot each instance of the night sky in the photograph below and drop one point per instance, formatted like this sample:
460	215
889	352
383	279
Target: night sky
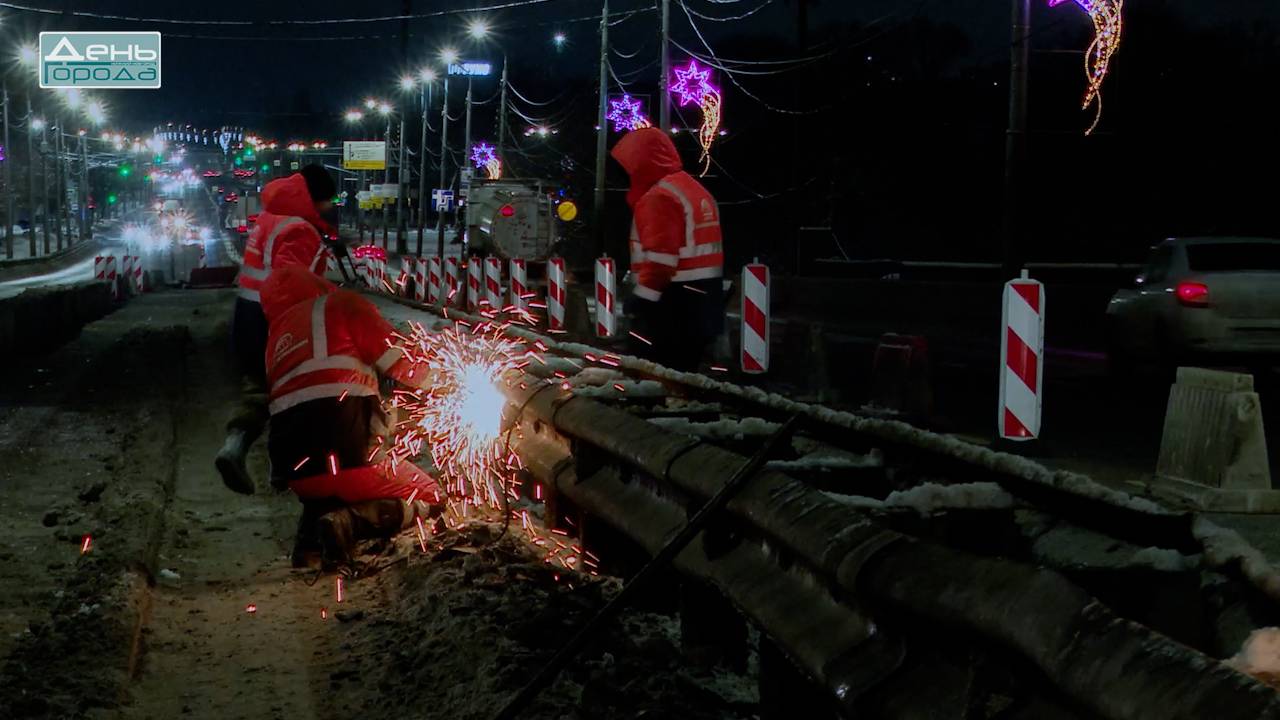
910	96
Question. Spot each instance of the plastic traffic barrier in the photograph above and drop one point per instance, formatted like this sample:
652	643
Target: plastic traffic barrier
519	284
475	283
1021	358
433	286
755	319
555	294
451	287
493	282
606	294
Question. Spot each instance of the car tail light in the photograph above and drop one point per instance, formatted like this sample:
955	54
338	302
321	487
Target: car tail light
1193	294
242	229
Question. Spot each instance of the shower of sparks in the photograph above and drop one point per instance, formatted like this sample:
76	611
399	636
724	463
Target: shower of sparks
1108	26
86	542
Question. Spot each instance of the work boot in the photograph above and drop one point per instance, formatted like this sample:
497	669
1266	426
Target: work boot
230	462
381	519
306	542
336	532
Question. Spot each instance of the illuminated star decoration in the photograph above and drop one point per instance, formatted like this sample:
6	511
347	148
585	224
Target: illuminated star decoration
1108	25
626	115
483	155
693	86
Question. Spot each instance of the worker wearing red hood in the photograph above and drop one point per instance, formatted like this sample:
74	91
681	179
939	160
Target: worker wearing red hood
326	351
287	234
677	255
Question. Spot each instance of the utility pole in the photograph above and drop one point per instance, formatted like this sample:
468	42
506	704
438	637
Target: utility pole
444	163
31	182
8	180
502	115
84	191
1015	153
466	134
402	196
601	130
386	176
664	102
59	193
44	184
421	168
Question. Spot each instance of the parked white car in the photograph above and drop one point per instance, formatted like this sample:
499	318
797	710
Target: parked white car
1206	300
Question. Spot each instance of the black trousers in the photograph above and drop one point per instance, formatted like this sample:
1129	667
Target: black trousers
248	351
314	429
682	324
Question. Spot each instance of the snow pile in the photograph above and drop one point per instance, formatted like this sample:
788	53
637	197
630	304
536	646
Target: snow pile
625	388
931	499
1260	656
1163	559
829	462
595	376
725	429
1225	548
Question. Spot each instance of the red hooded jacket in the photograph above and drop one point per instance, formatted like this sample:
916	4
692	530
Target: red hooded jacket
287	233
324	342
675	236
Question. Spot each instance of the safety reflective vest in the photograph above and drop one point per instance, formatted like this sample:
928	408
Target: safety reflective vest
267	248
698	253
314	351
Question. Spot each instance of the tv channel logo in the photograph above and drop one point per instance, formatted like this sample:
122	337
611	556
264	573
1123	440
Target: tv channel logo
116	60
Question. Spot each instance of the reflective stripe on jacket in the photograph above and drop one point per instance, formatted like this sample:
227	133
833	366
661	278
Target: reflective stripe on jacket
330	346
675	236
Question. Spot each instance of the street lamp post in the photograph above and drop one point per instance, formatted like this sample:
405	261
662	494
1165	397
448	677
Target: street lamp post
8	180
427	77
385	109
444	161
31	181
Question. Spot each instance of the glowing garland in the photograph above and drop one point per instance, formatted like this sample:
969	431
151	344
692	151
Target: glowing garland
483	155
626	115
693	86
1108	26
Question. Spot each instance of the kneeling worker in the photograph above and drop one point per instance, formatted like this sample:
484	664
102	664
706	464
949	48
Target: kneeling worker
326	350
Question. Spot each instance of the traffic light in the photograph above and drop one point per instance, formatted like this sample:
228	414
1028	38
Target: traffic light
265	167
111	199
239	162
125	170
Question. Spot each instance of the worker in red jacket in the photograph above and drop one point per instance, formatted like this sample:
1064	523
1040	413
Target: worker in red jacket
677	255
288	233
326	350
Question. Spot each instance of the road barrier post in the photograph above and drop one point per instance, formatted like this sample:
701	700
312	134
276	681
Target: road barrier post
493	282
519	284
755	318
555	294
1021	360
606	293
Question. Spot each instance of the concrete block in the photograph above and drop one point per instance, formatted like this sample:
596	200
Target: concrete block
1213	434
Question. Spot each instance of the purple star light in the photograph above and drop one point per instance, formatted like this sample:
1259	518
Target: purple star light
626	115
691	84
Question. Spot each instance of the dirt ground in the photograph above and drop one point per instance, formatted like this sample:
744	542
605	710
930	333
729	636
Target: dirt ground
113	437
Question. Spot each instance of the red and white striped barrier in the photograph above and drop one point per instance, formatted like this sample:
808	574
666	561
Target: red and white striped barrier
493	282
139	279
126	270
380	281
407	264
433	286
1021	353
100	267
555	294
755	318
451	287
475	282
606	293
110	271
519	284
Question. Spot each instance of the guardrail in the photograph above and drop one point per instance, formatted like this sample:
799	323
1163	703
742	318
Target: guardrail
816	576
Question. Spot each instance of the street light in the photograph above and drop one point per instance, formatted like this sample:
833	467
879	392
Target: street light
27	56
449	56
37	124
384	108
427	75
370	103
406	82
353	116
559	39
96	112
477	28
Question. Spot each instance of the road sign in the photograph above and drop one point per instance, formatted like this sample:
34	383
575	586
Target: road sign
364	155
441	200
471	68
275	163
293	165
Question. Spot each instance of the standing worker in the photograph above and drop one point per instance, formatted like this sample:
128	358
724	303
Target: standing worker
327	349
677	256
288	233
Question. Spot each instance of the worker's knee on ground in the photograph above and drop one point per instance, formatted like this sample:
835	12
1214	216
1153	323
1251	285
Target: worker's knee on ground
381	518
